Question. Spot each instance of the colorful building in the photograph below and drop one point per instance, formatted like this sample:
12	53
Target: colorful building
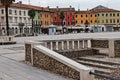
46	17
108	17
69	14
85	17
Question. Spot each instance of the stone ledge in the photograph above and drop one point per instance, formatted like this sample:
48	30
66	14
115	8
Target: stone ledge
50	60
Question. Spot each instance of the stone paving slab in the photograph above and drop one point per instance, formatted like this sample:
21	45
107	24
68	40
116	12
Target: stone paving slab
16	57
19	71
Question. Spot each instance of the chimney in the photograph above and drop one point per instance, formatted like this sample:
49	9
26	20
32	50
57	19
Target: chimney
57	8
70	6
78	9
20	2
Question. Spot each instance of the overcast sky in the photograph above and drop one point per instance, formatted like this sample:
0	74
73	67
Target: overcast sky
82	4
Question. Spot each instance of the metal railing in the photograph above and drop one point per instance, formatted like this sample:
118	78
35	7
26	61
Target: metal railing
104	76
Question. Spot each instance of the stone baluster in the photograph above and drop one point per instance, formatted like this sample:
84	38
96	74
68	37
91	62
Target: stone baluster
46	44
89	43
73	45
78	44
51	45
62	45
56	45
68	45
83	43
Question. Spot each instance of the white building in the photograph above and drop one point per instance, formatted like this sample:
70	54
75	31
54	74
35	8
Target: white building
18	15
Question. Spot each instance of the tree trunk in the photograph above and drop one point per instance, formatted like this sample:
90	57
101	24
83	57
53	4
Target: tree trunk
32	27
7	22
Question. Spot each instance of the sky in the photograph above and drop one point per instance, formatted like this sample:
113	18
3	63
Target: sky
77	4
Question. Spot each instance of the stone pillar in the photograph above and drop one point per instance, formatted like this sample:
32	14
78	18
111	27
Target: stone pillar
78	44
46	44
83	44
68	45
111	48
85	75
62	45
89	43
56	45
73	45
51	45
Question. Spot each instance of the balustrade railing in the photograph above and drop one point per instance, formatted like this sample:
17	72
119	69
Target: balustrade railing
68	44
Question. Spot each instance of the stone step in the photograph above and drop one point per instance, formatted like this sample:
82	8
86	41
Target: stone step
98	65
99	60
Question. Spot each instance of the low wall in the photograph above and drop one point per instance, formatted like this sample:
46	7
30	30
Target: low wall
100	43
4	40
28	49
78	53
49	60
117	48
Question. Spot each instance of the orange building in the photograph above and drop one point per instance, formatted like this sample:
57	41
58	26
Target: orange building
46	17
86	17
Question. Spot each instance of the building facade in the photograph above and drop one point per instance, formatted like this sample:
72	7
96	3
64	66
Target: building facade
85	17
69	14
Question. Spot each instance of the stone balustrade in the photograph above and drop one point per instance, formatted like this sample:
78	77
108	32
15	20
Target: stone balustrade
68	44
49	60
60	45
7	40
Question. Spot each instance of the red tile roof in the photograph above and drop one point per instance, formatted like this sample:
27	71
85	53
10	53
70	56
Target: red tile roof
27	6
62	9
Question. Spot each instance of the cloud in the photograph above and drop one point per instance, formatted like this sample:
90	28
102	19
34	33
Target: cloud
82	4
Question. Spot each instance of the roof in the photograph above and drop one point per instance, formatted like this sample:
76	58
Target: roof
98	9
101	8
27	6
62	9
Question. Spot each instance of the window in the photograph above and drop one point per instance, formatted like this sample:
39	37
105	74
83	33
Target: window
86	16
110	20
10	11
73	17
117	14
19	12
15	19
25	20
95	15
91	15
106	15
117	20
2	19
91	21
76	16
68	23
24	13
81	15
113	20
15	12
98	14
68	17
10	19
102	14
95	21
106	20
81	21
2	11
20	19
114	14
54	18
102	21
76	22
110	14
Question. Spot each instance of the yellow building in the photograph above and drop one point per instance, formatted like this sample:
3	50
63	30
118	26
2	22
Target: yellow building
86	17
